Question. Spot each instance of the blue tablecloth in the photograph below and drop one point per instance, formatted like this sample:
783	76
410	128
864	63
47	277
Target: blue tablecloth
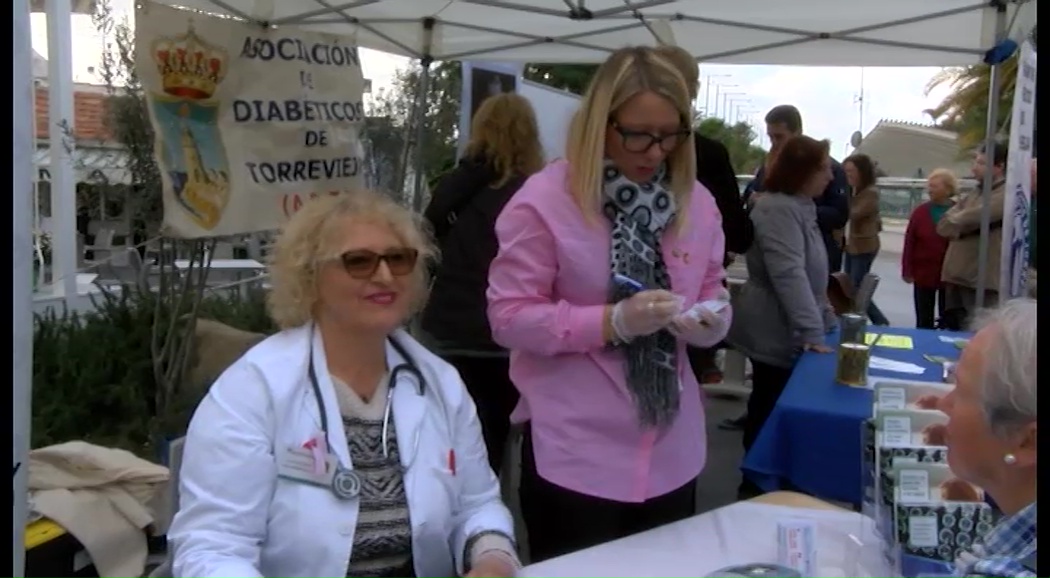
812	438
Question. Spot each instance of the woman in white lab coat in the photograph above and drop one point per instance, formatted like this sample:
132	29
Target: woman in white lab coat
340	446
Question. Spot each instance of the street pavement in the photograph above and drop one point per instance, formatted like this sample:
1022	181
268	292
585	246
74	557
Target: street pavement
893	296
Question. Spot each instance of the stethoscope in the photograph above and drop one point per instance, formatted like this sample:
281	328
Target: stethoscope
346	484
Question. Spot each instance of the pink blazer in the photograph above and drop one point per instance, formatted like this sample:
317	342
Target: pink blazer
547	291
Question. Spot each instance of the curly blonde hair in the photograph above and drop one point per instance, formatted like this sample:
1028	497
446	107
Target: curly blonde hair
310	238
504	132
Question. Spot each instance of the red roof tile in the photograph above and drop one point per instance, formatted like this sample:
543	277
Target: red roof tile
89	114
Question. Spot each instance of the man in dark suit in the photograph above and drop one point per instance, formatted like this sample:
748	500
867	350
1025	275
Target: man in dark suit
782	123
715	171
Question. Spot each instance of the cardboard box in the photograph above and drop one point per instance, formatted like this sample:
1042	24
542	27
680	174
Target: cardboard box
903	436
936	516
903	395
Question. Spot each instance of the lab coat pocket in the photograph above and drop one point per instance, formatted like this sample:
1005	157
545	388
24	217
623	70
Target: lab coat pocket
293	515
434	498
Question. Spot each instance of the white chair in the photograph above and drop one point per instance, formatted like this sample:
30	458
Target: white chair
102	249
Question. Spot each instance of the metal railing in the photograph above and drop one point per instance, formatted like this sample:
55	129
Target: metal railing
898	197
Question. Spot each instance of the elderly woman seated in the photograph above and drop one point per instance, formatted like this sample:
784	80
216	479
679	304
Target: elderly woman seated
991	436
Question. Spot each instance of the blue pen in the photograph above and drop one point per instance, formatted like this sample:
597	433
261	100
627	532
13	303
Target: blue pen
625	280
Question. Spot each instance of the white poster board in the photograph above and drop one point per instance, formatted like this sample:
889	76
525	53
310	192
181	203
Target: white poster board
1013	275
491	78
554	111
250	122
554	108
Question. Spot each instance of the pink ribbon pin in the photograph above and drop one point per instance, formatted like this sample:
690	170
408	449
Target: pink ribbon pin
318	450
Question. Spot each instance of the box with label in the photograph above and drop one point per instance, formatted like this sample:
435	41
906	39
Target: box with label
869	469
903	436
936	516
904	395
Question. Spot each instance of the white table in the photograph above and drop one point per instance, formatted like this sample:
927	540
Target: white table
52	297
740	533
225	264
235	271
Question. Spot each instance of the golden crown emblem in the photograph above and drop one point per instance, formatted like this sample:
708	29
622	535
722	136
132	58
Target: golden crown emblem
189	67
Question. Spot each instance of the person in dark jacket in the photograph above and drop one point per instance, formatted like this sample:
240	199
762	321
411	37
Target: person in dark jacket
783	122
715	171
504	150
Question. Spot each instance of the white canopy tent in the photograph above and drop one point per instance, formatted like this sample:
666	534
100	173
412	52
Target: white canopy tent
800	32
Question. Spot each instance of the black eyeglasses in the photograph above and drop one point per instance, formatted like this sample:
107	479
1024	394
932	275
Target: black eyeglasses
636	141
364	264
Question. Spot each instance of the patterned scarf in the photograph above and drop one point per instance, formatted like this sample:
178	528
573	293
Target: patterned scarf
639	213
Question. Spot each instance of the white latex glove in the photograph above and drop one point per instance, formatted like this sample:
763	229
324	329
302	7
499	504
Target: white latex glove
644	313
704	324
698	322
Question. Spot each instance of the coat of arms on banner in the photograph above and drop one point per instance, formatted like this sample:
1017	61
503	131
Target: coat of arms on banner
187	122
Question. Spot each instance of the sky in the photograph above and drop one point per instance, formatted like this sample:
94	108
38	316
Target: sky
826	96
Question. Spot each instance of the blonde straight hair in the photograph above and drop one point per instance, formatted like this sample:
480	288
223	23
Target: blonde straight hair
625	74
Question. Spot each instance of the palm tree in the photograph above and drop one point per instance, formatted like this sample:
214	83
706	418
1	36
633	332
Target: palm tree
965	109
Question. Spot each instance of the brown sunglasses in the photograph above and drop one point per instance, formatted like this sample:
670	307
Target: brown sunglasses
364	264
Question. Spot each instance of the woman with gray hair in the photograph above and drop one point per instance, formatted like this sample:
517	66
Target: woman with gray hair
992	436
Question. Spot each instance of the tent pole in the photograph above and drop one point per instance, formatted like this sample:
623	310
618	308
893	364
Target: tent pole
22	260
414	143
62	143
990	130
421	108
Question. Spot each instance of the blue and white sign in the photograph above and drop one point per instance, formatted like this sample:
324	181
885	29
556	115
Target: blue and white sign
1013	278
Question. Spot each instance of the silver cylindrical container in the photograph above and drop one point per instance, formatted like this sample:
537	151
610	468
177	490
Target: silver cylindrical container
755	571
852	328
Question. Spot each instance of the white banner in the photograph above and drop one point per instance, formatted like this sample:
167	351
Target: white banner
1013	276
249	122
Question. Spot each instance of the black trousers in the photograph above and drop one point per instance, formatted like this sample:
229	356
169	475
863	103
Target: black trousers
767	383
929	306
702	361
488	382
560	521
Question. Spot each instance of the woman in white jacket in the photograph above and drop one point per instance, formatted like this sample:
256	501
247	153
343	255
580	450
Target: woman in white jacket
340	446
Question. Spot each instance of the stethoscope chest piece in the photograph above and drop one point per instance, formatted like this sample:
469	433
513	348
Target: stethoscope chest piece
346	484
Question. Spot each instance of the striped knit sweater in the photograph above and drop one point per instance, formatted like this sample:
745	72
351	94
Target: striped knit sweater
383	539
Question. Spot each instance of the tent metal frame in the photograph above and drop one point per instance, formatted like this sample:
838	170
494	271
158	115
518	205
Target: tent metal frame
330	12
632	10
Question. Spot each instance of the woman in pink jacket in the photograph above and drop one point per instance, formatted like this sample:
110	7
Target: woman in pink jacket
603	263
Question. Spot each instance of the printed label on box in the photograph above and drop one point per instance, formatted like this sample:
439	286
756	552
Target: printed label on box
922	531
913	486
892	398
896	424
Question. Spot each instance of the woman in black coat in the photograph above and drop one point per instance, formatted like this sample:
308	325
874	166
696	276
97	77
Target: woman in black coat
504	150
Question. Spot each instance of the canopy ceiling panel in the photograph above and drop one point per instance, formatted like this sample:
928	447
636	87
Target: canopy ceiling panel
801	32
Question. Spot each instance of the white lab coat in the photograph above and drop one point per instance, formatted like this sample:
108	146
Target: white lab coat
236	518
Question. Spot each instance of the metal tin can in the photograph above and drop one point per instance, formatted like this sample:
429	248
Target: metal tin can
852	328
852	368
755	571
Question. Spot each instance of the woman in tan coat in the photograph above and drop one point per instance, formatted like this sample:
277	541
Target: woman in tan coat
865	224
